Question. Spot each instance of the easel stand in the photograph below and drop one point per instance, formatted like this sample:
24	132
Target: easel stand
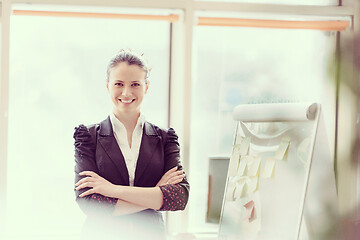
281	182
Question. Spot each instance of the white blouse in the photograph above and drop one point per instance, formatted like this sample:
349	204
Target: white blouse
130	154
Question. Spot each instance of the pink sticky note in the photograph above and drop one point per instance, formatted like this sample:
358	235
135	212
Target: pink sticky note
249	212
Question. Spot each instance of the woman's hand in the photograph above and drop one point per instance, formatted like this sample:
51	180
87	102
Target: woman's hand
97	184
171	177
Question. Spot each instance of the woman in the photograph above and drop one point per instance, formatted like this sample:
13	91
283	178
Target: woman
127	169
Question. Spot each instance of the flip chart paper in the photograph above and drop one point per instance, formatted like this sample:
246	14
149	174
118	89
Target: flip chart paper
284	144
230	191
239	191
244	148
272	112
303	161
253	165
234	162
252	184
269	169
238	140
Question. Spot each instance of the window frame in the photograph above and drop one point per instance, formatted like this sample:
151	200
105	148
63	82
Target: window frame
181	66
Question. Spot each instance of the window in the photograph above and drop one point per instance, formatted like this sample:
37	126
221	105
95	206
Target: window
57	81
293	2
245	66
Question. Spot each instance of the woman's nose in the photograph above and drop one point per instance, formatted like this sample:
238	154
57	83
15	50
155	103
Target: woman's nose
126	91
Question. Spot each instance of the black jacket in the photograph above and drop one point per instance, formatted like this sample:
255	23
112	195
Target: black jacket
97	150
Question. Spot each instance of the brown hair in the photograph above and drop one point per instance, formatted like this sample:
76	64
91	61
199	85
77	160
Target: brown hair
132	59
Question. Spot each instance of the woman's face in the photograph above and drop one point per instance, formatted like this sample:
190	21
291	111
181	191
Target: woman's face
127	87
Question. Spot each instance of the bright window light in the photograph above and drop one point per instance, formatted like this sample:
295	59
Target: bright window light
57	81
243	66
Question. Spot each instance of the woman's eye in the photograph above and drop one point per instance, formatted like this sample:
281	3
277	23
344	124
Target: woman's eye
136	84
118	84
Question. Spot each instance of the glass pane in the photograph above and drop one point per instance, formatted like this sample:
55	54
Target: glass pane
285	2
58	69
244	66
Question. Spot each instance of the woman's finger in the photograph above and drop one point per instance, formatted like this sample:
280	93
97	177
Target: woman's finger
88	192
85	185
165	178
170	171
176	179
168	174
175	182
88	173
174	174
81	181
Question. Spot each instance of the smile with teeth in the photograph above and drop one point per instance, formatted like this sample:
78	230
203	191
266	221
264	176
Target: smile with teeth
127	101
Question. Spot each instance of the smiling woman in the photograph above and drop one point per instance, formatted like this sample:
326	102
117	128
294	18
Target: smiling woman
58	80
127	82
127	169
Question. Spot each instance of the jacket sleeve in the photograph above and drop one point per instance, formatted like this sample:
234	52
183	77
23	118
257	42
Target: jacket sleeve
175	197
85	146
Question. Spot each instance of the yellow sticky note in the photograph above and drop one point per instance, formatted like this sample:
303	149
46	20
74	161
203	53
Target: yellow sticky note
284	144
252	184
230	191
244	148
239	190
269	169
242	165
238	140
253	166
234	162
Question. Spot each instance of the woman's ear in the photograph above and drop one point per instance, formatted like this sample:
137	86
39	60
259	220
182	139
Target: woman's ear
147	86
107	85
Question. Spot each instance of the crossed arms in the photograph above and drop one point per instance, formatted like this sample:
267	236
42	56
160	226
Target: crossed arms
95	192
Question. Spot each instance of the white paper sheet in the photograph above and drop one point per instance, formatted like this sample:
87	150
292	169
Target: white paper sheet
284	145
234	161
269	169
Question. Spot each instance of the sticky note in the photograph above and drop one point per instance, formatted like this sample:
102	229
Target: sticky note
284	144
249	211
238	140
244	148
234	162
242	165
269	169
253	166
230	191
252	184
239	190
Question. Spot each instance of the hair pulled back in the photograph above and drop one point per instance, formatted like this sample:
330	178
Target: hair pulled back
130	58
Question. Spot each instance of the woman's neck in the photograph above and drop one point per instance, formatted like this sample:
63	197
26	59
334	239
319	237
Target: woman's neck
128	119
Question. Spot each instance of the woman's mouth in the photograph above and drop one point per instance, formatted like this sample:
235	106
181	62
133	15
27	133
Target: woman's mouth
127	100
